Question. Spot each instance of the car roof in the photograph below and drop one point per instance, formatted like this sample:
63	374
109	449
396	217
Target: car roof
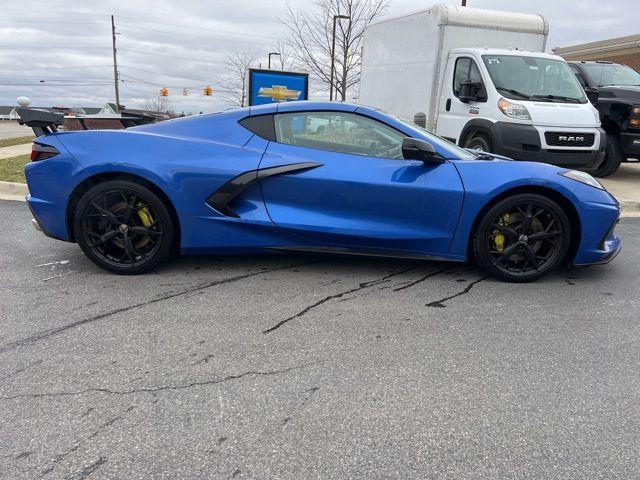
302	106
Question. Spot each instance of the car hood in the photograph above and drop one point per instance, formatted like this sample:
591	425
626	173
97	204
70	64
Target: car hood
624	92
566	115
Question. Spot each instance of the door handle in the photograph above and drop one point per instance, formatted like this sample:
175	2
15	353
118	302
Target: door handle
448	104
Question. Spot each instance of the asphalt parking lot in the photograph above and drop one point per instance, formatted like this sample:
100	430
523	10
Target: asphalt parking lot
313	367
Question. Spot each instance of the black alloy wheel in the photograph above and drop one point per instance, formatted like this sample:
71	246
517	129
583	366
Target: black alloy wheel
123	227
522	238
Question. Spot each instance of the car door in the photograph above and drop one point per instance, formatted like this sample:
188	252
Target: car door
454	114
358	191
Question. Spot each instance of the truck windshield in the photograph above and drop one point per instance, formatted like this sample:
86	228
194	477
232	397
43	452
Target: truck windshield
603	74
521	77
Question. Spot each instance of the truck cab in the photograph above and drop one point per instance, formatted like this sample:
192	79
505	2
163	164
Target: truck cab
478	78
615	91
523	105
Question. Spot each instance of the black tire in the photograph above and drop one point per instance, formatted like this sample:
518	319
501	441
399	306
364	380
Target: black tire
479	141
526	252
612	158
123	227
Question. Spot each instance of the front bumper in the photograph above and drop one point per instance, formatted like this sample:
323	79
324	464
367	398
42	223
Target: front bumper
599	214
630	144
524	142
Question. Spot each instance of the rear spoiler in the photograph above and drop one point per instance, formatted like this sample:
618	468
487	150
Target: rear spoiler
44	122
41	121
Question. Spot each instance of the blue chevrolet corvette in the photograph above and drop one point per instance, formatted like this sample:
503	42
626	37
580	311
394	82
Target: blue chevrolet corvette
312	177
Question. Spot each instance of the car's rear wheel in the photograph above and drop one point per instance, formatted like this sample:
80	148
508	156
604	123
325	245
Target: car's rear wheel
123	227
522	238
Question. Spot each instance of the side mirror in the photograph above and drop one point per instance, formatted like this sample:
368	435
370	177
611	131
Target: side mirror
416	149
593	94
470	91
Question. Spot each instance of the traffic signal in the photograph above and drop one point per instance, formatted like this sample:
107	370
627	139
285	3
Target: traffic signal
164	92
207	91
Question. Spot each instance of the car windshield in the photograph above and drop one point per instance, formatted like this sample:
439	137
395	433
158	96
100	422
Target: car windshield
603	74
436	141
521	77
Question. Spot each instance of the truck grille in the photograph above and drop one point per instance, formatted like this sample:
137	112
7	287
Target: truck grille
568	139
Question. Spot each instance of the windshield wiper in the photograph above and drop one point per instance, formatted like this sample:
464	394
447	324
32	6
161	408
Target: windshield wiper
514	92
556	97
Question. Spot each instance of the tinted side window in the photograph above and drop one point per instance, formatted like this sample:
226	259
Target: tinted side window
339	132
460	74
261	125
466	70
579	76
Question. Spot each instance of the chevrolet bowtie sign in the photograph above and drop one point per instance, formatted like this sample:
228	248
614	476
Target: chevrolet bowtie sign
279	93
268	86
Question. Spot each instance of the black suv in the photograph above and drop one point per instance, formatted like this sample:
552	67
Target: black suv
615	91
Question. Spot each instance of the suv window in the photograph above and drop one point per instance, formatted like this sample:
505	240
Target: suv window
578	75
340	132
466	70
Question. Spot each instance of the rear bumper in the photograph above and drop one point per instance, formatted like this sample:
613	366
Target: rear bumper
630	144
46	218
524	142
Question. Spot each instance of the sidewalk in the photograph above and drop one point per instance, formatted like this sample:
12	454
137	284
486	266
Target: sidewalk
15	150
625	185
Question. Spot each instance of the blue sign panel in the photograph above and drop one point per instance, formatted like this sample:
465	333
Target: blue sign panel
268	86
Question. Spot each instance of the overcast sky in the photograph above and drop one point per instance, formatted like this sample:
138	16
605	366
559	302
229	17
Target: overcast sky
183	43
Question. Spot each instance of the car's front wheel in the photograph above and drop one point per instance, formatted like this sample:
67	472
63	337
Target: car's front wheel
123	227
522	238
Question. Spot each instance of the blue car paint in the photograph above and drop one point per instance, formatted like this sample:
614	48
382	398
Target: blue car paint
352	202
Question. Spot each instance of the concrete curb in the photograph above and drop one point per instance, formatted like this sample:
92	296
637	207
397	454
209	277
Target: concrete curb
13	191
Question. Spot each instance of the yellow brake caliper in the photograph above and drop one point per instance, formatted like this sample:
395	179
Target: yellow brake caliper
498	237
145	216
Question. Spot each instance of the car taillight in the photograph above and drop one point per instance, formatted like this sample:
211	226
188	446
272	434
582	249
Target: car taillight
42	152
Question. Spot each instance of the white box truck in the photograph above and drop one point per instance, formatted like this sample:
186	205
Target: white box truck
479	79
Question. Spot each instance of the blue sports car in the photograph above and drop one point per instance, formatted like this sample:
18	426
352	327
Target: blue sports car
312	177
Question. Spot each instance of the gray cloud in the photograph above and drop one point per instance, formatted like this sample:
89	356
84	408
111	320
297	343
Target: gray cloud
183	43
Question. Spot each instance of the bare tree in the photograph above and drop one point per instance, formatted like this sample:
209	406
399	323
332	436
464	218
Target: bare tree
286	60
234	86
158	103
311	38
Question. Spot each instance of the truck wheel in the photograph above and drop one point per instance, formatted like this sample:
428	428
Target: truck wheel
612	158
479	141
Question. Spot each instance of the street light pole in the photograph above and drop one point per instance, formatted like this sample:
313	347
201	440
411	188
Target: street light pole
269	62
333	53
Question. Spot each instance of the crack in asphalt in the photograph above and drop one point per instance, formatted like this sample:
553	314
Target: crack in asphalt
422	279
88	470
58	330
361	286
440	303
61	456
163	388
20	370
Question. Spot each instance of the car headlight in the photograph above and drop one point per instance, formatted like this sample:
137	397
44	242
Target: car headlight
635	110
513	110
582	177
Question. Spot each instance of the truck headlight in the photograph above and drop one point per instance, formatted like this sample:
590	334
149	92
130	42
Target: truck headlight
582	177
513	110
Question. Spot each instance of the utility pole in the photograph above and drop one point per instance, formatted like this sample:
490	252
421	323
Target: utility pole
115	64
333	54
